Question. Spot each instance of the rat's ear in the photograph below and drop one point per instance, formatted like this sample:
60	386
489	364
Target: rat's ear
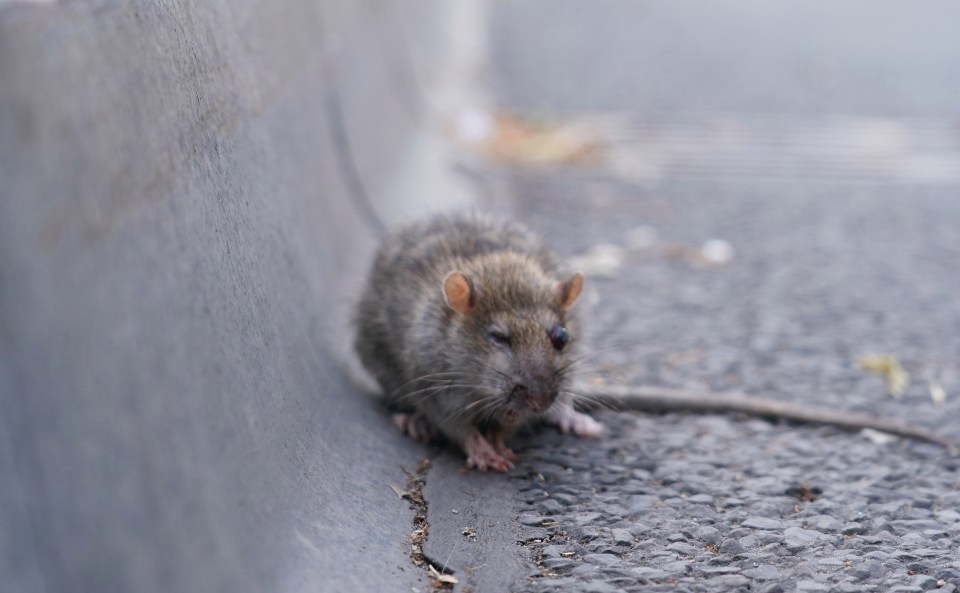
569	290
459	292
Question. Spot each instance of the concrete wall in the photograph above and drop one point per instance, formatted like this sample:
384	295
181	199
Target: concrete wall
179	239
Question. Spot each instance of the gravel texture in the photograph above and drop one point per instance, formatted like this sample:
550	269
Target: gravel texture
717	503
708	504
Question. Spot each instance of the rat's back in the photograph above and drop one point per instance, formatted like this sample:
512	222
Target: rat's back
445	241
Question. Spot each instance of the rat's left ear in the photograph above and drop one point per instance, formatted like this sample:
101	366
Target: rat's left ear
569	290
459	292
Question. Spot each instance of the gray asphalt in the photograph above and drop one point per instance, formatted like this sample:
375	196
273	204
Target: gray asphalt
744	56
830	263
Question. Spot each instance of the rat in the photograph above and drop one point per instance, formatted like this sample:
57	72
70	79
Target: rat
468	324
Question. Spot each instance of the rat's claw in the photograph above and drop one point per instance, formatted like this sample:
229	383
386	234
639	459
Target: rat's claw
494	462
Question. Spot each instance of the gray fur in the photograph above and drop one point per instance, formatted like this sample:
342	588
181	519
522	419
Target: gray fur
443	365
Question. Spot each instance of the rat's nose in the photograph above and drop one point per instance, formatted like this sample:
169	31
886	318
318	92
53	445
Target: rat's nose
536	401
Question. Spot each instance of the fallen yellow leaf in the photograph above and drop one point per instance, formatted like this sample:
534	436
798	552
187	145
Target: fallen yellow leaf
889	368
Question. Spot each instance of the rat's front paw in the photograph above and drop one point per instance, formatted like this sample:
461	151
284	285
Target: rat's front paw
502	449
481	455
582	425
485	461
507	454
570	421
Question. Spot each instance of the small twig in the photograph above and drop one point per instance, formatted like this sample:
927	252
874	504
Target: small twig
661	399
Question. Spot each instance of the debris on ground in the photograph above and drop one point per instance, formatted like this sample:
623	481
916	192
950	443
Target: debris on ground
442	578
600	261
877	437
712	253
938	395
414	493
516	140
889	368
717	251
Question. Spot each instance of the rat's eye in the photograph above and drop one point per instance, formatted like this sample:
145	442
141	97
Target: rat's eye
559	337
499	337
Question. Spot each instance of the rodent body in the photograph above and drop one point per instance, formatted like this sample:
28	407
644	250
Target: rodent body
466	323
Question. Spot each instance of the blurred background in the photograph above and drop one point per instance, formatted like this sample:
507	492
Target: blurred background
762	194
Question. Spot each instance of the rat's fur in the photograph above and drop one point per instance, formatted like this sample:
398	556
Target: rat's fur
441	297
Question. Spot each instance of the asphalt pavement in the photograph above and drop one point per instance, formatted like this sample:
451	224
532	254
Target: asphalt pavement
776	200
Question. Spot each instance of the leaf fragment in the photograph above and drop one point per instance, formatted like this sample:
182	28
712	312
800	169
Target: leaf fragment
446	579
522	141
399	491
937	393
889	368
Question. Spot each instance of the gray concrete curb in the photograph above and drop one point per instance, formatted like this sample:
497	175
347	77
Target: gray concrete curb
179	239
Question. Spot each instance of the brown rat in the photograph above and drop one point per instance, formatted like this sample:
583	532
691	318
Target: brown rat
468	325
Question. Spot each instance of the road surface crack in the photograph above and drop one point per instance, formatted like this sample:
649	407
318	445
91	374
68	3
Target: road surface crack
440	577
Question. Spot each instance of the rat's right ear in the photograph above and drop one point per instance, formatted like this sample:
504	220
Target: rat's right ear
459	292
569	290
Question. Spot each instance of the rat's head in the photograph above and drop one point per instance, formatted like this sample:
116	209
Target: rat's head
520	334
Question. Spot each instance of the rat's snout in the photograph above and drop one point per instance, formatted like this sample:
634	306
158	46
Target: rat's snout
535	401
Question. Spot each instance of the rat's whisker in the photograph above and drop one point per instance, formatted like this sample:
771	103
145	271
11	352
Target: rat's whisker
475	407
428	391
592	400
431	377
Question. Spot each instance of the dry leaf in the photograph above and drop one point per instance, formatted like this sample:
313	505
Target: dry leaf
889	368
447	579
510	138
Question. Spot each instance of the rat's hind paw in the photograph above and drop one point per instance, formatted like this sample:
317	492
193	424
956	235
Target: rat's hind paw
416	427
569	421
